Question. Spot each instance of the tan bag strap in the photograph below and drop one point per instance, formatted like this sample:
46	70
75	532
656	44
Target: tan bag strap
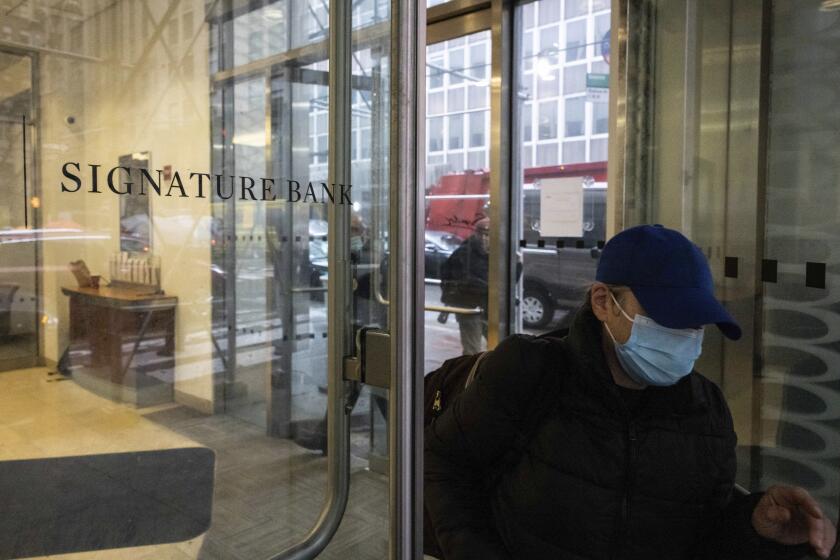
474	369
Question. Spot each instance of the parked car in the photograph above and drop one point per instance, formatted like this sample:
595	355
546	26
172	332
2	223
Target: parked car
439	247
555	280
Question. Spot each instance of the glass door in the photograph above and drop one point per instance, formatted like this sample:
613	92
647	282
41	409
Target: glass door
562	69
19	300
457	196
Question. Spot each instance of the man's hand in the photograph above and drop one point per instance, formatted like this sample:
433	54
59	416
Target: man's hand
789	515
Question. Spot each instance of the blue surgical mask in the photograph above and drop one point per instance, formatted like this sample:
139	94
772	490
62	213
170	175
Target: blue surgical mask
356	244
657	355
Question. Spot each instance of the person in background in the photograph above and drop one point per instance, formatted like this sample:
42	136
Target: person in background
464	284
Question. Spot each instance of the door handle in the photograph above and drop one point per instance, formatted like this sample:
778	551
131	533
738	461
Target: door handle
341	394
372	363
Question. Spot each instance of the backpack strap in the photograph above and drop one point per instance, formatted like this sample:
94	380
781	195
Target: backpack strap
474	369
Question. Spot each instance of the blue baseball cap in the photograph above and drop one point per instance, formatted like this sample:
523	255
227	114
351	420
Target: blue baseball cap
669	275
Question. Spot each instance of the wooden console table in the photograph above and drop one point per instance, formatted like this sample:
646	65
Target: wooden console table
122	343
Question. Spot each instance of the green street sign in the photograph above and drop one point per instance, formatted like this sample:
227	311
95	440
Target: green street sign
597	80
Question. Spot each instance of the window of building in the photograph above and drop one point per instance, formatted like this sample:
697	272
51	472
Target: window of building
435	105
526	122
456	132
455	162
528	11
575	113
456	66
478	96
576	40
550	11
477	128
527	155
574	79
575	8
548	83
455	100
598	149
435	72
477	159
574	151
478	61
550	44
600	118
528	51
435	134
548	119
547	154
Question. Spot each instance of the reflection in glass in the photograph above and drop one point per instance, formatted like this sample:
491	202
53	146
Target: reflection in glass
227	356
557	270
19	321
457	198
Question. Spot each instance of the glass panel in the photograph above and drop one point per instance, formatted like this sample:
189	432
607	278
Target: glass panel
600	118
574	152
249	401
549	11
456	132
19	200
369	249
263	32
598	149
455	69
548	83
575	116
526	122
558	266
768	227
457	198
435	134
575	8
798	402
527	155
186	348
477	129
548	120
480	60
575	40
574	79
455	101
547	154
528	13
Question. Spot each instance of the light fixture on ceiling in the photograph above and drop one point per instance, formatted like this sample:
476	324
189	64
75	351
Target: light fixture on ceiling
273	14
829	5
253	139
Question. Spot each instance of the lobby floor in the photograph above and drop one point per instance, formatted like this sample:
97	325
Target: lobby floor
268	492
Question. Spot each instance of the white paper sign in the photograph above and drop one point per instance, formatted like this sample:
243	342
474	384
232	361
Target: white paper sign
561	207
598	95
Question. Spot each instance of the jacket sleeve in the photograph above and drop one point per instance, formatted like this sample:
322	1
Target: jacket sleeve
466	441
729	533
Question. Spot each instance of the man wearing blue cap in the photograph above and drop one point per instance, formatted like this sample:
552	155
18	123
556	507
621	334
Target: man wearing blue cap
605	444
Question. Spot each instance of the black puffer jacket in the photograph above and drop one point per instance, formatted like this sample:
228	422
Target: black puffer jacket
594	480
464	275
